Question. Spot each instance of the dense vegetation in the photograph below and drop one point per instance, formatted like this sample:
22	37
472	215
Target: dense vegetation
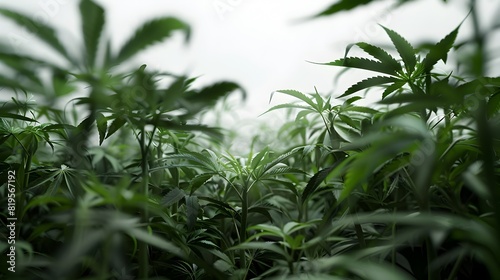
123	182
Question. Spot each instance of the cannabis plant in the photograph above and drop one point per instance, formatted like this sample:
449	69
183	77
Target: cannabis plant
108	172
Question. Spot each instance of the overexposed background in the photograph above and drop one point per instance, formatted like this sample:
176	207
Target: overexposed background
264	45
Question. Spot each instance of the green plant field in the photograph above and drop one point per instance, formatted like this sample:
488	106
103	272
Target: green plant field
125	181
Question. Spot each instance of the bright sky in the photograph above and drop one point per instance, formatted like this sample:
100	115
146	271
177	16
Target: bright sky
258	43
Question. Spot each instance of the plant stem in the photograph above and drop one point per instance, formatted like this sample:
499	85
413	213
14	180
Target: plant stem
103	275
479	40
432	274
456	266
359	234
290	263
243	225
143	247
23	185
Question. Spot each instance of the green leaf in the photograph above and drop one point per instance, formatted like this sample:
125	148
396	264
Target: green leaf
222	206
282	170
494	104
198	160
353	99
405	49
368	83
302	115
268	230
483	86
286	184
13	83
440	50
115	125
93	19
150	33
425	101
319	99
263	210
364	164
364	269
44	32
360	109
257	159
16	116
405	109
349	121
210	94
155	241
211	131
380	54
172	197
392	88
289	106
102	126
61	85
292	227
262	246
315	181
199	180
45	201
281	158
299	95
342	5
174	92
193	208
363	63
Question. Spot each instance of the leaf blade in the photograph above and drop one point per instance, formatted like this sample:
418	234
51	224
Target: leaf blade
343	5
148	34
404	48
440	50
362	63
44	32
368	83
93	20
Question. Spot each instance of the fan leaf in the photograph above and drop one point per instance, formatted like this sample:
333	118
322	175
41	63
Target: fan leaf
93	20
440	50
367	83
363	63
172	197
193	208
150	33
380	54
44	32
342	5
404	48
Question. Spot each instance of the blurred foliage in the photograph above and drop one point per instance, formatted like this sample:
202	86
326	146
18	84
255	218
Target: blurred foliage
347	5
121	182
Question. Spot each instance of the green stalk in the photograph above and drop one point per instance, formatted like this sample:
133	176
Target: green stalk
416	90
103	275
22	179
432	274
143	247
23	185
393	230
456	267
484	128
428	83
359	234
479	39
243	226
290	263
